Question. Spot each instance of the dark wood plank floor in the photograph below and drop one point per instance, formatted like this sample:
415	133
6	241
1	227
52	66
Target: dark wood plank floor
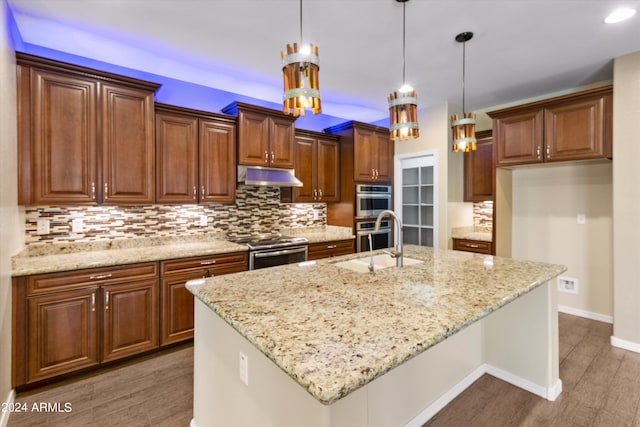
601	387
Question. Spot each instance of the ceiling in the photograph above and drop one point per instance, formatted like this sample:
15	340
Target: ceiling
521	48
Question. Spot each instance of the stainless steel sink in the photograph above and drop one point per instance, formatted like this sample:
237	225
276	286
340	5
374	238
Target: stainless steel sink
381	261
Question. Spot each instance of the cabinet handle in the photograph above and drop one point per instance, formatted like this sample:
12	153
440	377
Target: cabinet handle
101	276
93	301
332	246
195	192
469	245
106	191
373	173
377	174
266	157
208	262
202	191
320	194
273	156
538	152
315	194
93	191
548	153
106	300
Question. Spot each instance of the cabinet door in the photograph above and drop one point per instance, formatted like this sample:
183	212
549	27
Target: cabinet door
253	139
328	170
177	308
575	130
176	158
62	331
365	147
518	138
281	142
130	318
63	132
384	168
478	171
305	170
127	145
217	162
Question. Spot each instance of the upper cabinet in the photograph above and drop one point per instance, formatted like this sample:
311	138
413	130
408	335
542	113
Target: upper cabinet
478	170
317	165
372	150
195	156
571	127
84	137
265	137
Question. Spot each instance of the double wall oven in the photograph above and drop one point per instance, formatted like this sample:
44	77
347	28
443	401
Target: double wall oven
371	200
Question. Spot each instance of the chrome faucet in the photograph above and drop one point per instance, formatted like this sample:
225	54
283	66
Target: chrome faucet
397	253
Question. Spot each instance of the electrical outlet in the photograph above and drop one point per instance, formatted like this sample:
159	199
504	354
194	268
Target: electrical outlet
568	285
43	226
244	368
316	215
581	219
203	220
77	225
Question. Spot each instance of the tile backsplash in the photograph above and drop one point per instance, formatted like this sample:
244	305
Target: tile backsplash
483	214
256	210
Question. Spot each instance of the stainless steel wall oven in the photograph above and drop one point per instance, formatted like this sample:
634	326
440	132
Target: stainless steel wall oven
381	239
372	199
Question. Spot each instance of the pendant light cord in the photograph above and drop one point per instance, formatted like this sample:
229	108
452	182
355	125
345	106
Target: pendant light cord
300	22
404	17
463	72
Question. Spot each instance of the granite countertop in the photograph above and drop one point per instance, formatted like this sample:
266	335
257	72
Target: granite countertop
54	257
333	330
483	234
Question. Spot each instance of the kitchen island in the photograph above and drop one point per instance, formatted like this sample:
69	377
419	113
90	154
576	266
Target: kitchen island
322	345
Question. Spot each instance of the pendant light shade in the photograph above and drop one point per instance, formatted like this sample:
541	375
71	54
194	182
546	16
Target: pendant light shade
463	129
403	103
300	66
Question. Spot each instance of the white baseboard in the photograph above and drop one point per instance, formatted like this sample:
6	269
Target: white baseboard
624	344
549	393
586	314
4	418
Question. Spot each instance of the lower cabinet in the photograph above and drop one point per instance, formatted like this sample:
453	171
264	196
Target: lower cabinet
477	246
329	249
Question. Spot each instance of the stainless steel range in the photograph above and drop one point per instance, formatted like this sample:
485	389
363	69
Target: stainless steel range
269	250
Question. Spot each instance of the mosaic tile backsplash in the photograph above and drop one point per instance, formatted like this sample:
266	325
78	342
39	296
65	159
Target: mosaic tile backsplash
257	210
483	214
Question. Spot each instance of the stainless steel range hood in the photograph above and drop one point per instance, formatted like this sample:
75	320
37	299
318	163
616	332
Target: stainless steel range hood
261	176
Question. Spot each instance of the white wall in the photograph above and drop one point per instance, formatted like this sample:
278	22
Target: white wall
545	204
626	200
11	223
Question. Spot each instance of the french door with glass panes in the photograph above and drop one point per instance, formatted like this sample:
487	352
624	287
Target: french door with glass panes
415	192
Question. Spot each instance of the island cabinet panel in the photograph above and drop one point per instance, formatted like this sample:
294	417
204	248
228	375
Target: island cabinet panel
476	246
317	165
176	323
577	126
330	249
479	170
265	137
84	136
195	156
62	333
130	319
67	321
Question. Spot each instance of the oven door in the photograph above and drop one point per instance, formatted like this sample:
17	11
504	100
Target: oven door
381	239
273	257
370	205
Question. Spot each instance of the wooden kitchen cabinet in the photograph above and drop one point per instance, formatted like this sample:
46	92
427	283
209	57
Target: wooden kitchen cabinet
265	137
176	323
476	246
373	155
195	156
84	136
330	249
479	170
577	126
67	321
317	165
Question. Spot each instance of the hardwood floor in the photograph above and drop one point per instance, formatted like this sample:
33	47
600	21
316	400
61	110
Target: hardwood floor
601	387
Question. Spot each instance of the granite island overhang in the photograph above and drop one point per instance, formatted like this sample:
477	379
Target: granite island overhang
339	333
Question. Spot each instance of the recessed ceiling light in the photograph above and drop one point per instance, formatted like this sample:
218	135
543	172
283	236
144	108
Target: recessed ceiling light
619	15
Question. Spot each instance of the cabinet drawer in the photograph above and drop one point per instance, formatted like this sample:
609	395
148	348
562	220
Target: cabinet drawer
217	264
54	282
477	246
329	249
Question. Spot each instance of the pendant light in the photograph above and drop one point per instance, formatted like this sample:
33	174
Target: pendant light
463	129
403	103
300	66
